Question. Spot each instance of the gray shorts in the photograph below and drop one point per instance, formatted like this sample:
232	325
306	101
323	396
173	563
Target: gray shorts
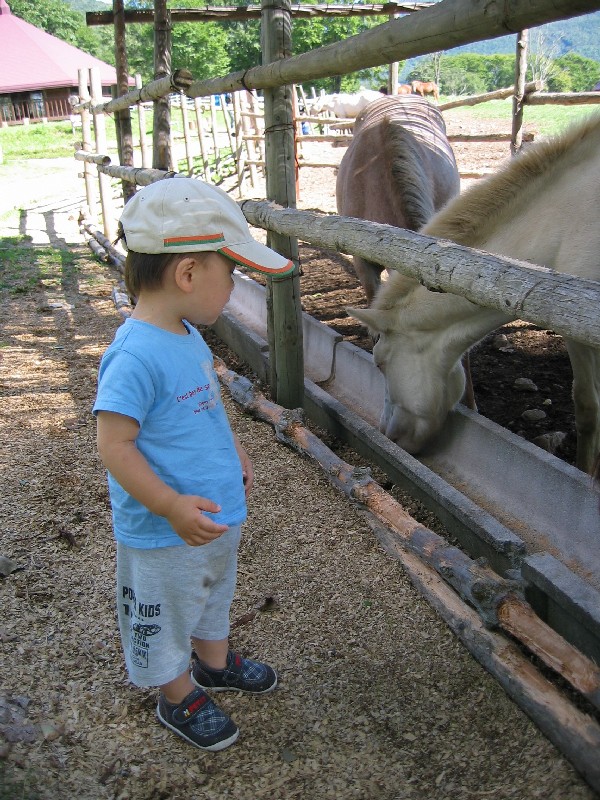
167	595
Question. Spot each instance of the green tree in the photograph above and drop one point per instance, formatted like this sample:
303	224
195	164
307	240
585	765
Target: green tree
201	47
308	34
243	44
465	73
574	73
53	16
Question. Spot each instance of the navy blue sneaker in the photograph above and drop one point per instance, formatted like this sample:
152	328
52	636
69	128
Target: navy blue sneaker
240	675
199	721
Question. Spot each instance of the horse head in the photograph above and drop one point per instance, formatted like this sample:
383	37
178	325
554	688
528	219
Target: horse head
424	377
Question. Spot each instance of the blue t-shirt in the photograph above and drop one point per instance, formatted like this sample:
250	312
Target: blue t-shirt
166	382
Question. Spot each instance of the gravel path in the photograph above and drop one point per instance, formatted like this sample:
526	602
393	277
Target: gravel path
377	700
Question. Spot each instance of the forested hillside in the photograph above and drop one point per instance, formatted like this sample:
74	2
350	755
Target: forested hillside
579	35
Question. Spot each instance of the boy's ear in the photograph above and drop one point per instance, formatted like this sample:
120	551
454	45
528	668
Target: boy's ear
183	273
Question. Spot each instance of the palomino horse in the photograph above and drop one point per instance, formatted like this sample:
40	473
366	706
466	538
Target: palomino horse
541	208
426	87
399	169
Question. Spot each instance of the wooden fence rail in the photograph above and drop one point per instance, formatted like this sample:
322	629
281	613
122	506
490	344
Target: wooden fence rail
565	303
249	12
433	28
430	30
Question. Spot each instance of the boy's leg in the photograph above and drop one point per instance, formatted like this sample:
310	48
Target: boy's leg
177	690
212	653
156	616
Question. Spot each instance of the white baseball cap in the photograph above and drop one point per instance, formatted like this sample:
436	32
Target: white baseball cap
185	215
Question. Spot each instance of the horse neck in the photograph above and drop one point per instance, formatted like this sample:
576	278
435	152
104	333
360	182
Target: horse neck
458	322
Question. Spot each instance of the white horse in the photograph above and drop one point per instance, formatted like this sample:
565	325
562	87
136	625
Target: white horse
541	208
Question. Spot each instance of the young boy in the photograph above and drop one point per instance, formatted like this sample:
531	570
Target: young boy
178	476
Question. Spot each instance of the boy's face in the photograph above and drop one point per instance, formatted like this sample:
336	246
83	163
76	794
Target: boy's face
213	284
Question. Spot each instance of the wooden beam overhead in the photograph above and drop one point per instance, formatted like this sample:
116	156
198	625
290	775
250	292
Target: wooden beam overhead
225	13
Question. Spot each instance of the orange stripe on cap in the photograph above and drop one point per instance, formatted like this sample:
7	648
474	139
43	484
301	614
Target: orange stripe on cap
174	241
260	267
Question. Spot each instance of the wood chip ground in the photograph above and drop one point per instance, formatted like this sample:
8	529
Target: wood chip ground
378	700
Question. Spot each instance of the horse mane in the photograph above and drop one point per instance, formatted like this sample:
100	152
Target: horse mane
466	219
415	199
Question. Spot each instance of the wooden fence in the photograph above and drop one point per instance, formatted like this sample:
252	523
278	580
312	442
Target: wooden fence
418	33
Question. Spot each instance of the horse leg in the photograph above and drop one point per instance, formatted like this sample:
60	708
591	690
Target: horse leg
369	275
585	362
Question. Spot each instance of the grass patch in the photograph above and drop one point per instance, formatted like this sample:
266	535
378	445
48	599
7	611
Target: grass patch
226	158
49	140
547	120
58	140
24	269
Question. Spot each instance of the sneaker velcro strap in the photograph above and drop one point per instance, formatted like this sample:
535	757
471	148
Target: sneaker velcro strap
235	665
190	708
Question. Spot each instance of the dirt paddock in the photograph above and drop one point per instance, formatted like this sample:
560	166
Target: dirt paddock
377	701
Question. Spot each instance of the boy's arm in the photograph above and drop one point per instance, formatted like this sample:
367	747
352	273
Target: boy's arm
116	436
247	468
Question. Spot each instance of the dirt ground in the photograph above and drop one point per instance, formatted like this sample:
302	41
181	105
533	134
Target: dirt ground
377	701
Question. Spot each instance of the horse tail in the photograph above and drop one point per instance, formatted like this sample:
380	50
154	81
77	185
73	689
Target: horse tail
414	188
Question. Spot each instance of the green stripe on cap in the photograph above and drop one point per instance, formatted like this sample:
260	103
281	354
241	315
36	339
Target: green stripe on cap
178	241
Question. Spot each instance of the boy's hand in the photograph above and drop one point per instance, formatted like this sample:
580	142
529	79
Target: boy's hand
187	520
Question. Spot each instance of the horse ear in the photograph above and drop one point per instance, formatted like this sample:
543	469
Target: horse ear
374	320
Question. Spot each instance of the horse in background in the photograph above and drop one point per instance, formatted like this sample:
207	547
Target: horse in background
425	88
345	105
541	208
398	169
403	88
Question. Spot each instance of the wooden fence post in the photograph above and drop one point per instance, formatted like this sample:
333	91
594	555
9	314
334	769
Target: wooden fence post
108	212
122	117
203	146
285	319
248	129
393	72
239	138
86	142
520	72
228	124
146	160
161	141
185	121
215	134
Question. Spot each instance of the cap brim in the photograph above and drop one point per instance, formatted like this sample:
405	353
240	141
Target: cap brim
257	256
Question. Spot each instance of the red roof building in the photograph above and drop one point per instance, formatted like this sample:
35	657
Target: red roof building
38	72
